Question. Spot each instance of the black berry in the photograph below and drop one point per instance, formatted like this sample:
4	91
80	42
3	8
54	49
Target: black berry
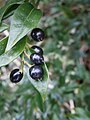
37	34
36	72
37	58
16	76
37	49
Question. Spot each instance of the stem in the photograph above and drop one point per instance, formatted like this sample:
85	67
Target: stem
28	45
33	2
26	55
25	62
22	62
37	3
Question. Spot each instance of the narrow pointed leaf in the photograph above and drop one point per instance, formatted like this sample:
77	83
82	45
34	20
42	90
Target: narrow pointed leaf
13	53
3	27
7	6
41	86
25	18
3	44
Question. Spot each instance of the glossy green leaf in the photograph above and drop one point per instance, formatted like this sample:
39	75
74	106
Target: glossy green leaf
3	44
3	27
7	6
41	85
13	53
24	19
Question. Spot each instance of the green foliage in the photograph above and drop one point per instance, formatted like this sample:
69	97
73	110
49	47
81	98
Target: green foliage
13	53
24	19
66	24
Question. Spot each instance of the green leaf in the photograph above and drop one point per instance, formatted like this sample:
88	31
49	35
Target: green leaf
25	18
3	44
3	27
7	6
13	53
41	85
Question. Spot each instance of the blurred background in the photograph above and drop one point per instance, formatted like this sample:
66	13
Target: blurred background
67	54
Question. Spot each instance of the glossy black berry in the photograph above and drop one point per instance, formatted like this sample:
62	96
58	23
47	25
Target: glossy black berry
37	34
37	49
36	72
16	76
37	58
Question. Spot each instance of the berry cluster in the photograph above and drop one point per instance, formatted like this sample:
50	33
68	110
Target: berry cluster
36	71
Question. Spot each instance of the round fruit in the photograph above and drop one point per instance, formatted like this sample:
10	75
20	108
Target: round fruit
37	58
37	34
37	49
36	72
16	76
